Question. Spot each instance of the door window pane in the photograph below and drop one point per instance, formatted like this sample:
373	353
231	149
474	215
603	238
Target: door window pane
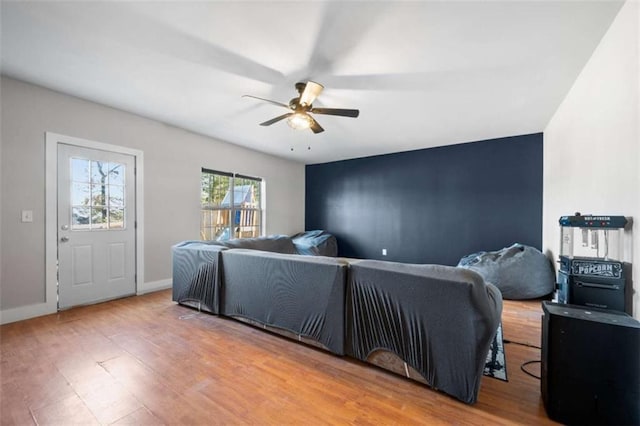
116	174
116	196
80	218
99	172
99	218
97	195
80	194
80	170
116	218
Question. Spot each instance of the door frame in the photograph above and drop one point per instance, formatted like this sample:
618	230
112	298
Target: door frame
52	140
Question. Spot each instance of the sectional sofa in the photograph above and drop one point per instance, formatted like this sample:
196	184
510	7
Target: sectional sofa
430	323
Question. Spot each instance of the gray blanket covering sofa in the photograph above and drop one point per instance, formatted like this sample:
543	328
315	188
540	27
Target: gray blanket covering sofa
438	320
301	294
431	323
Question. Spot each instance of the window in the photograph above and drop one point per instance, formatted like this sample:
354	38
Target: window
231	206
97	195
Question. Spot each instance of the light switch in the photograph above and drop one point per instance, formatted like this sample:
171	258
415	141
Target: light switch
27	215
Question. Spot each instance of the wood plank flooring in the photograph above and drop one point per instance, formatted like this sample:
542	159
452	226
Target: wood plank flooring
146	360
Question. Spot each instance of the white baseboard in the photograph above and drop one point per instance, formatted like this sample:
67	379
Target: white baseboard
39	309
25	312
155	286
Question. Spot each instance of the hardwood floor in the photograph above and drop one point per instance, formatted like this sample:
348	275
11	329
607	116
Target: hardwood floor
145	360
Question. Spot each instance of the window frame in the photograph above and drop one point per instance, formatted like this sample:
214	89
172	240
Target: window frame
236	214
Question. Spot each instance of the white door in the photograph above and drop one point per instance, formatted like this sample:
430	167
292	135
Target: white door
96	225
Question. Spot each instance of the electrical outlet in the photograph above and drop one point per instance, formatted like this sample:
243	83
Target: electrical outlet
384	252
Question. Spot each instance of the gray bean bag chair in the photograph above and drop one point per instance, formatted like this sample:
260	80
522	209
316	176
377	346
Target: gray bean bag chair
519	271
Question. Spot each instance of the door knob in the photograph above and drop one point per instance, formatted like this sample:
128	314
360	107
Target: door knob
64	239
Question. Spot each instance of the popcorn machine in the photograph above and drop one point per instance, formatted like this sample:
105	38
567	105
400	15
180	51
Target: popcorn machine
592	272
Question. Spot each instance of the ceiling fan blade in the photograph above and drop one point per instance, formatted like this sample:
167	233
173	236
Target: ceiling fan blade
343	27
275	120
336	111
267	100
310	93
315	127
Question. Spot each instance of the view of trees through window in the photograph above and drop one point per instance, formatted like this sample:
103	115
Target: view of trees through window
97	195
231	206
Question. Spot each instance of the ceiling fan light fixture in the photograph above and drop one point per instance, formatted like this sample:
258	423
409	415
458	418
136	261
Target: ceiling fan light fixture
299	121
299	109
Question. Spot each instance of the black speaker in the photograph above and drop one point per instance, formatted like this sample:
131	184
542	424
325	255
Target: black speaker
590	371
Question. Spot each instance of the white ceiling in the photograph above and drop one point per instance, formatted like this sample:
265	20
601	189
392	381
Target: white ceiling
422	73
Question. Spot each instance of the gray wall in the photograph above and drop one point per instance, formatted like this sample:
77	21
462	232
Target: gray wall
173	159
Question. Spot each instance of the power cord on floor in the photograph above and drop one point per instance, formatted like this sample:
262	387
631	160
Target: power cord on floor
527	372
521	344
526	362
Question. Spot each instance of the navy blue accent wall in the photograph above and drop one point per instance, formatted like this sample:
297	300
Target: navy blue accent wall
432	205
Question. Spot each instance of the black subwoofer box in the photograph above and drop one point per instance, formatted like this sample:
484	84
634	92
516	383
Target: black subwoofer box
590	372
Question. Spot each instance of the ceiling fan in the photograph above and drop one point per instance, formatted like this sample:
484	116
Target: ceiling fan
302	106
